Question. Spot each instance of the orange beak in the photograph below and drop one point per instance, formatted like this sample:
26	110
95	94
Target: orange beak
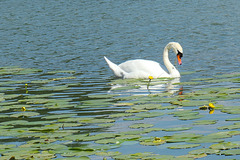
179	56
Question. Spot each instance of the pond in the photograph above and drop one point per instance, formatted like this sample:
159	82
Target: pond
59	99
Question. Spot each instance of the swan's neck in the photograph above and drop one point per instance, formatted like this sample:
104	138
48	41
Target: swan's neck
173	72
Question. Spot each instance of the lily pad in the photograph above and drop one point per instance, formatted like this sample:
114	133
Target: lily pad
150	114
233	119
204	150
231	152
205	122
177	129
107	141
229	127
25	114
184	146
108	154
225	145
59	116
141	125
182	137
213	137
186	114
152	141
133	119
188	103
146	106
117	115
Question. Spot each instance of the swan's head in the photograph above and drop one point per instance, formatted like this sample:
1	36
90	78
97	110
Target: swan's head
177	48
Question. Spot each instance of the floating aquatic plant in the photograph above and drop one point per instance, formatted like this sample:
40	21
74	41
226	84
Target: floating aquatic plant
52	119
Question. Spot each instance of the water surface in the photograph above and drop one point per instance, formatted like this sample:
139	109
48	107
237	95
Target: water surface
75	35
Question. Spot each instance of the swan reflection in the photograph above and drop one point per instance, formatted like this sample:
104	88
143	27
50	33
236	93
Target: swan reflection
145	87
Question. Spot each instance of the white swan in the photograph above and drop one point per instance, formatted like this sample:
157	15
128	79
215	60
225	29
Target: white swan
140	68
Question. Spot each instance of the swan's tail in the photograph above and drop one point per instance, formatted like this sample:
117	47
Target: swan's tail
115	68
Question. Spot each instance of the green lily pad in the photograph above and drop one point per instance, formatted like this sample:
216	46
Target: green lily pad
55	88
188	72
229	75
229	127
213	137
18	71
107	141
148	130
225	145
75	152
98	102
123	104
141	125
13	122
2	146
59	116
24	114
233	119
191	117
188	103
133	119
63	71
182	137
184	146
104	96
100	136
177	129
117	115
205	122
34	101
63	78
135	111
41	81
150	114
108	154
217	80
201	79
152	141
231	111
11	96
192	156
231	152
204	150
205	140
39	96
186	115
133	132
146	106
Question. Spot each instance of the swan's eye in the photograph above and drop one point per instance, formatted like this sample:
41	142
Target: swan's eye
179	54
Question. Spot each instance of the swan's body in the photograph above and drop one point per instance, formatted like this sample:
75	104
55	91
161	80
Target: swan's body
140	68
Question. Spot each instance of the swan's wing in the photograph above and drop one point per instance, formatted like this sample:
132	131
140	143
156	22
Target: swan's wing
144	68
